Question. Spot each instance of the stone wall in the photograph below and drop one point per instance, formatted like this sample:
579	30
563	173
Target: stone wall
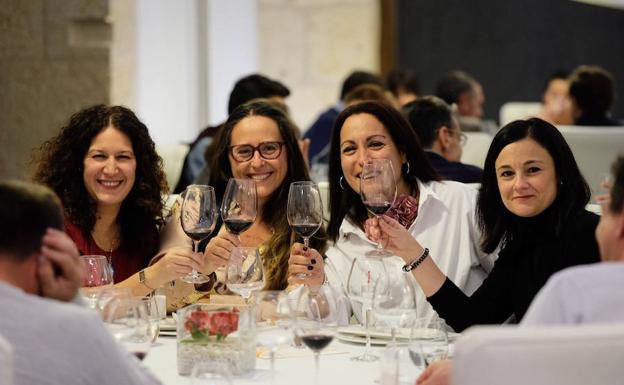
54	60
312	45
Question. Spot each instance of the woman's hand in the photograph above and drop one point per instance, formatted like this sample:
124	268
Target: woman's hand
438	373
393	236
217	253
308	262
177	262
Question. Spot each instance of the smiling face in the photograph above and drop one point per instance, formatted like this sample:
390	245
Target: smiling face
364	137
527	178
109	167
268	173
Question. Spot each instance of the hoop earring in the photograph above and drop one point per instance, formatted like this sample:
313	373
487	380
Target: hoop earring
408	167
340	182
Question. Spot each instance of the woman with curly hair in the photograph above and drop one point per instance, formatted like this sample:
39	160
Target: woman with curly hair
104	167
257	142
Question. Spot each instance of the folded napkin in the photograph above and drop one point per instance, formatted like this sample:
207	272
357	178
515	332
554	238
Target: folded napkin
291	351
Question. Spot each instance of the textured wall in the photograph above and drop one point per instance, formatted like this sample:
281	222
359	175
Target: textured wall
54	60
311	45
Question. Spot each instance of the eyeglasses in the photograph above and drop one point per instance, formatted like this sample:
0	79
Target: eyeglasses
463	138
267	150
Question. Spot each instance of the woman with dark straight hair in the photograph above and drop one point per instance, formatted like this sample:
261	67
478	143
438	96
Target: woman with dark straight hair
439	214
531	205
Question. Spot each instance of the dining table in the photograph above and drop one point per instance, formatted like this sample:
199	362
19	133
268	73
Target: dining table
293	366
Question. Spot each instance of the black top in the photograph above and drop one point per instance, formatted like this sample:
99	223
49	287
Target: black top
521	270
597	120
456	171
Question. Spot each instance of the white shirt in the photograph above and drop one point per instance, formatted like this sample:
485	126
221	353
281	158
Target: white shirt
61	343
579	295
446	225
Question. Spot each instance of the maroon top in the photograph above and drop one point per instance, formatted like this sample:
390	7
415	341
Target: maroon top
125	261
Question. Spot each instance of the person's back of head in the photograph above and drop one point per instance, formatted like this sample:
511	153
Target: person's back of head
427	115
404	85
592	89
26	211
357	78
255	86
366	92
457	87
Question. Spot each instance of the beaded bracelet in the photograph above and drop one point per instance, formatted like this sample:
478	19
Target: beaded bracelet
414	264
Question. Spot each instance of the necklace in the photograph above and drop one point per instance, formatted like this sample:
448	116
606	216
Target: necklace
113	243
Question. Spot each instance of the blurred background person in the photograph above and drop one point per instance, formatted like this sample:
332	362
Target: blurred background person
592	92
254	86
442	138
557	108
104	167
404	86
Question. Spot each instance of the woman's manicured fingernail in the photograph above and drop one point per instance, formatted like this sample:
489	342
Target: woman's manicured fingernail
313	261
310	267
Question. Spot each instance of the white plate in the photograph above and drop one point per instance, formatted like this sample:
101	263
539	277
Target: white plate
402	333
168	324
361	339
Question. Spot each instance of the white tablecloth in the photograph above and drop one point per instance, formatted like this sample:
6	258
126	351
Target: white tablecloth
334	368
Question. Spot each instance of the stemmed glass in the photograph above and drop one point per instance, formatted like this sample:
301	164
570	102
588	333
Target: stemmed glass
304	210
394	300
275	318
428	341
244	273
316	320
378	191
198	219
363	275
98	274
239	206
154	314
129	323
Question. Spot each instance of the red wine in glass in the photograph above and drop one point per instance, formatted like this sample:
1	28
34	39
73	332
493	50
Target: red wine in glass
237	226
317	342
377	208
306	230
239	205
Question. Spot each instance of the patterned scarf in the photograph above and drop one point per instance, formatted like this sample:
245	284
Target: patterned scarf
404	210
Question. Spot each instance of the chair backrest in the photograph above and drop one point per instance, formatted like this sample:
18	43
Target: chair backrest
511	111
6	362
512	355
476	148
173	159
594	148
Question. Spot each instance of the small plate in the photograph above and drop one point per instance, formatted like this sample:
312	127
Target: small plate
168	324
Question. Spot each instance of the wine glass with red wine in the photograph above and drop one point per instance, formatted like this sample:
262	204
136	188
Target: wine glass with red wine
305	210
378	191
316	319
198	218
239	206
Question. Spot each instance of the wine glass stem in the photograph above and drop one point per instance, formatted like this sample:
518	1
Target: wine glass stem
316	367
195	248
379	244
306	243
367	327
272	352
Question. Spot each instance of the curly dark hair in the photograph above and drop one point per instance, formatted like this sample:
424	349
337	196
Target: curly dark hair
59	164
278	247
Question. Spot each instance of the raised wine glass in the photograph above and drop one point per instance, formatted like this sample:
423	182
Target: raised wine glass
363	275
98	274
198	219
305	210
316	319
239	205
244	273
378	191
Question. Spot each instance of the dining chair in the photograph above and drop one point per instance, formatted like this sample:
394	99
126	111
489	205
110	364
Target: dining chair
6	362
552	355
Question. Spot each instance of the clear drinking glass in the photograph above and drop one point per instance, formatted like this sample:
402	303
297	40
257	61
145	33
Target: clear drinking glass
154	315
129	323
316	319
198	219
211	373
378	191
304	211
98	274
363	274
244	273
275	318
428	341
239	205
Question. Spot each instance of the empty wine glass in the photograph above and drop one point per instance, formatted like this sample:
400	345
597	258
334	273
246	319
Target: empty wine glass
244	273
107	298
154	315
363	275
239	206
211	373
98	274
275	318
378	191
129	323
317	317
394	300
428	341
198	218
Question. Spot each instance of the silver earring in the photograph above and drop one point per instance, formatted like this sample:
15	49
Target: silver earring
408	168
340	182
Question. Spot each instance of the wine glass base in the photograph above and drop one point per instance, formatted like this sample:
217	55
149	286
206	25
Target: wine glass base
195	278
379	253
366	357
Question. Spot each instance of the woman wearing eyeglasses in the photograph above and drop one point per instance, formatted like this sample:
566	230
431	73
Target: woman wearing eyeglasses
258	142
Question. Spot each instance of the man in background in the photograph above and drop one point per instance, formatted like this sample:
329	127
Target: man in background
592	92
442	138
53	341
